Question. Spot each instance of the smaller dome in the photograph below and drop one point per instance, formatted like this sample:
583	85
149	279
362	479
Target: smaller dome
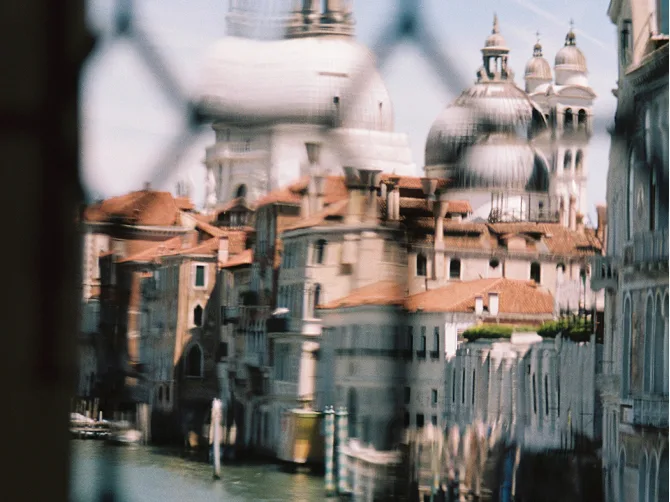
538	67
570	57
503	163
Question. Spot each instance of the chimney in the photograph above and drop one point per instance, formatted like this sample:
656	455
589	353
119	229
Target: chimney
580	223
353	183
493	304
391	192
479	305
370	183
223	250
572	213
147	186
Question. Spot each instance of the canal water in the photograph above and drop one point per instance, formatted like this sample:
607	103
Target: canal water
148	474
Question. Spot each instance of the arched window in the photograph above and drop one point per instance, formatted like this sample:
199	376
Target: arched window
455	268
625	349
535	272
319	251
567	160
657	350
651	489
352	408
241	191
317	295
197	315
622	477
630	196
421	265
568	118
160	393
194	362
647	367
663	477
534	396
579	161
581	119
560	272
546	395
652	199
642	479
167	394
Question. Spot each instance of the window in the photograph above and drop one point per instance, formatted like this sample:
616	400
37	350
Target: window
433	397
659	349
546	395
535	272
579	161
421	265
433	420
642	478
568	119
567	160
463	387
410	339
194	362
494	262
647	367
197	315
453	385
199	281
436	343
626	44
630	200
319	251
455	268
406	419
419	420
160	393
625	353
581	120
317	295
421	353
407	396
241	191
167	394
652	200
474	388
534	396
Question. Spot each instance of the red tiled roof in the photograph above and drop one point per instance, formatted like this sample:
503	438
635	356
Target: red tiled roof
184	203
336	209
515	297
237	202
154	252
379	293
246	257
459	207
209	229
145	207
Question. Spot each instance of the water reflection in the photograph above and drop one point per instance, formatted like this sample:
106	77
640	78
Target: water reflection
152	474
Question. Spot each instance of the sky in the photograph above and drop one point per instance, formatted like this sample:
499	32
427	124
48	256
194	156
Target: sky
129	120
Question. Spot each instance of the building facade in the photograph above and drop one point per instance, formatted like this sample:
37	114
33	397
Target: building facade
634	272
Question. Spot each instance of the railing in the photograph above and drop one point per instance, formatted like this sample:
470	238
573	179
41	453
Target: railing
651	411
650	247
604	273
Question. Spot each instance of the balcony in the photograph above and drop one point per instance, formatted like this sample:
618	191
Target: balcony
604	273
648	249
650	411
294	326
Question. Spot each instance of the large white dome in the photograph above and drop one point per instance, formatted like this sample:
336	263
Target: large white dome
314	80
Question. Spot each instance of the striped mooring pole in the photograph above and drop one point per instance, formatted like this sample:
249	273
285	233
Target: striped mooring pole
342	428
329	413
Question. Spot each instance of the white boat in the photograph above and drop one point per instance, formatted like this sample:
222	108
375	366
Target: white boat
126	437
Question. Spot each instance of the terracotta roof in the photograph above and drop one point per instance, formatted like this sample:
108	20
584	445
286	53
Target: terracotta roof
145	207
151	254
459	207
334	190
209	246
209	229
184	203
336	209
237	202
379	293
280	196
246	257
515	297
